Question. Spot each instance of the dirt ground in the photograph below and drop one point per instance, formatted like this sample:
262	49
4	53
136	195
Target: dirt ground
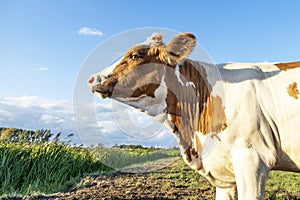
172	182
130	186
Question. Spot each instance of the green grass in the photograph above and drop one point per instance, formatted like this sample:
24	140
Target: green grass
283	185
183	175
280	185
43	167
48	167
118	158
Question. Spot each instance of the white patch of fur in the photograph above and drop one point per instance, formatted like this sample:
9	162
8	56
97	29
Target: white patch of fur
130	99
108	71
99	95
190	84
161	117
196	162
177	73
151	106
212	72
95	82
161	92
152	40
208	142
170	61
264	66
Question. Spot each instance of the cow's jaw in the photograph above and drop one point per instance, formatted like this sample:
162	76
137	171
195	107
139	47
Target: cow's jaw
153	106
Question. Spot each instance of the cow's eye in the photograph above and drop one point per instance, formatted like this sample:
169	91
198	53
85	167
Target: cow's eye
136	56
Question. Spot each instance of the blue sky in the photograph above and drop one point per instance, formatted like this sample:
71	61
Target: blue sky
38	34
42	51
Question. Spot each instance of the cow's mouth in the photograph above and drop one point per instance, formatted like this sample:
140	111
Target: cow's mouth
130	99
102	95
102	92
105	92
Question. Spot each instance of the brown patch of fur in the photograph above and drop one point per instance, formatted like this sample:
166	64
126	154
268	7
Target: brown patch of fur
190	108
147	89
123	74
189	152
292	90
287	66
160	53
213	118
188	155
195	109
194	153
147	66
181	46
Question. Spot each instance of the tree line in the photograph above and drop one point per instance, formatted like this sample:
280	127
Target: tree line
21	135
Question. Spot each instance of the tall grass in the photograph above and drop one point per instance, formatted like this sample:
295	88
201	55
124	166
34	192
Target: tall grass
118	158
43	167
36	161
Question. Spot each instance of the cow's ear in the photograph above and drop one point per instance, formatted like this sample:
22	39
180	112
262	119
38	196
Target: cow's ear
181	46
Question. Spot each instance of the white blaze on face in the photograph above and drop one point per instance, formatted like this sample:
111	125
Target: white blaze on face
108	71
152	106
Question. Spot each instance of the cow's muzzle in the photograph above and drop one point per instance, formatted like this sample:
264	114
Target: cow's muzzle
102	91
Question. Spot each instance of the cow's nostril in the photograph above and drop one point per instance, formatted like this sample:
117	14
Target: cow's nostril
91	80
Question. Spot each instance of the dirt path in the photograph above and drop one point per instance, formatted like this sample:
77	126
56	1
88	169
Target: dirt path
172	182
130	186
176	181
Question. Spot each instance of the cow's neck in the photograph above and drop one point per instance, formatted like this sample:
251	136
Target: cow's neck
192	109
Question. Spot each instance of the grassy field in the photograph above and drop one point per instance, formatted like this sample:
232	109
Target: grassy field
47	166
283	185
33	162
280	185
175	181
43	168
119	158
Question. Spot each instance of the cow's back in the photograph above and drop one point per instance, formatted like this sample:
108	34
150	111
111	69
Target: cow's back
271	96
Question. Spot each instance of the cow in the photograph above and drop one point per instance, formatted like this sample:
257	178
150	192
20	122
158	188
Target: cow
233	122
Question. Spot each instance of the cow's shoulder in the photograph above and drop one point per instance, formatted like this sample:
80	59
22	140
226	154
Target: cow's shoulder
260	66
263	66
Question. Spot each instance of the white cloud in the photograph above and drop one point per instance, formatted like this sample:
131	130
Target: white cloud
96	123
48	119
32	112
89	31
43	68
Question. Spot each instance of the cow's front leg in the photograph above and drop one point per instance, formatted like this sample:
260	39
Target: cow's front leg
251	174
226	193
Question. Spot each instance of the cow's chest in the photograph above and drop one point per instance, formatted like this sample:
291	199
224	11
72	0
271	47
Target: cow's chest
207	155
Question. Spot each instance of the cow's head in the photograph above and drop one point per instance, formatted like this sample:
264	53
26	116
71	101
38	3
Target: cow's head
138	78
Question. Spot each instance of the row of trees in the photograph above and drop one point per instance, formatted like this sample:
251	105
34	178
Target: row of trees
20	135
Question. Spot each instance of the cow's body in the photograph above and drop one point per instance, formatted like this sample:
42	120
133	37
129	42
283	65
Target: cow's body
233	123
265	102
263	121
